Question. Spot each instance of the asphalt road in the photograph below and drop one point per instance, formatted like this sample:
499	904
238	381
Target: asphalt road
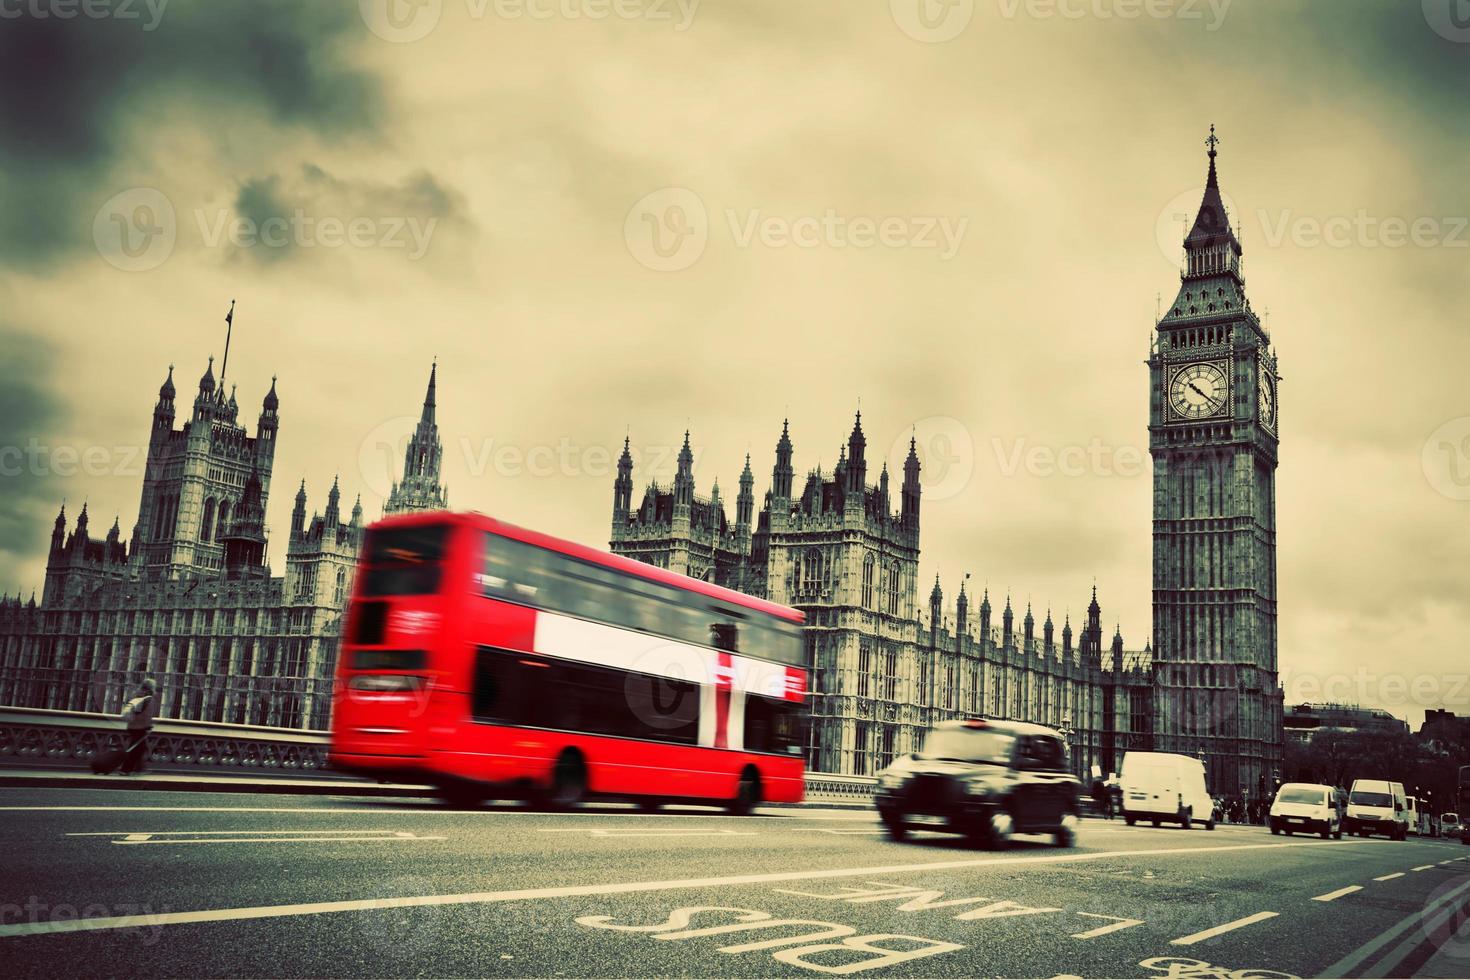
182	884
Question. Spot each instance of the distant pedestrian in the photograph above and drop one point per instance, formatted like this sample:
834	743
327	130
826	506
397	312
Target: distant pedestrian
138	714
1102	799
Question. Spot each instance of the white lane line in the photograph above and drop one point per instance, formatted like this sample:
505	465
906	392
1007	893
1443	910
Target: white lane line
1396	874
1196	937
1104	930
614	888
1332	896
159	833
595	832
1422	867
426	810
395	839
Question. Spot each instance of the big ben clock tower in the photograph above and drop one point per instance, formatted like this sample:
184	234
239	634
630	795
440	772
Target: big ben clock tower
1213	435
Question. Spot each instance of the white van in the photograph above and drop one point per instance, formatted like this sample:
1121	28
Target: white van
1308	807
1161	786
1377	806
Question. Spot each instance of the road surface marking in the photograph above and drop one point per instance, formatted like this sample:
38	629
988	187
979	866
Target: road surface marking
1104	930
647	833
159	833
372	809
1332	896
1396	874
851	833
1424	922
395	839
1422	867
1196	937
613	888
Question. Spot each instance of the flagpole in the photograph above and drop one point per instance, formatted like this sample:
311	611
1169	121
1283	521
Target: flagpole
229	329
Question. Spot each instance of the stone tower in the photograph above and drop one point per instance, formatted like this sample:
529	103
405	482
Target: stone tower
420	488
196	476
1213	438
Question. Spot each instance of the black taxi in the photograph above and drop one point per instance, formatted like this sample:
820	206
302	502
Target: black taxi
984	779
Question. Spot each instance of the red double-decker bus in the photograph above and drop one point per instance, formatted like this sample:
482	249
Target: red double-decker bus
493	661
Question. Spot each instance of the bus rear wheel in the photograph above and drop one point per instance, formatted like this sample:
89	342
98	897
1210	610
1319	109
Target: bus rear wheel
568	782
747	793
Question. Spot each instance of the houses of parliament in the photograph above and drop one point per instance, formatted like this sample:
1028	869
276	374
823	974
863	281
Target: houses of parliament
191	600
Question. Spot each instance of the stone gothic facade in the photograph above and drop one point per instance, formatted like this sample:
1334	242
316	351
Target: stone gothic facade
191	600
846	553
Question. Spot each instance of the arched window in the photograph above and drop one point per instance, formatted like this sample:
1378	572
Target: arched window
206	526
893	578
224	518
868	567
341	591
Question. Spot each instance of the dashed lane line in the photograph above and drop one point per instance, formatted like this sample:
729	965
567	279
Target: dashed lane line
1422	867
1396	874
99	923
1334	896
1196	937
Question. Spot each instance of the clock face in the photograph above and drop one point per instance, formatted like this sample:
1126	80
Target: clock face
1198	391
1268	400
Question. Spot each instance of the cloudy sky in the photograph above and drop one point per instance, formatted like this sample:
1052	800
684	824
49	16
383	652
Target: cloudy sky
636	217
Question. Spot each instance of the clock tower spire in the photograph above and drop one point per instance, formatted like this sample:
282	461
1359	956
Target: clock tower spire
1214	441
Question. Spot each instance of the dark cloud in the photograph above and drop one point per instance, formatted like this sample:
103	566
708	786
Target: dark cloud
29	414
290	214
74	95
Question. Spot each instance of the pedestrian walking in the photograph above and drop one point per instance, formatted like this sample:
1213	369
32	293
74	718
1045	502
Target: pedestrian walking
1102	799
139	714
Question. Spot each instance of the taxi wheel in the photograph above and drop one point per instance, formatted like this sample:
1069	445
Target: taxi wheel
1130	821
895	827
1275	830
997	829
1066	835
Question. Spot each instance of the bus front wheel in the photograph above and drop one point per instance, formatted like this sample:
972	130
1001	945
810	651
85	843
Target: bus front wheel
747	793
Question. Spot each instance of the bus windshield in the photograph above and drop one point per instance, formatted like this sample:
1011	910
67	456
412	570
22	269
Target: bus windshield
403	560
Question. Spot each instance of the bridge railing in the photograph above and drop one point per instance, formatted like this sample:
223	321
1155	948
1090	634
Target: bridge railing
30	736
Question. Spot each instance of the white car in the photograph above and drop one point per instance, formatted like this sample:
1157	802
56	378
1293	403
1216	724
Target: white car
1160	786
1449	824
1307	807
